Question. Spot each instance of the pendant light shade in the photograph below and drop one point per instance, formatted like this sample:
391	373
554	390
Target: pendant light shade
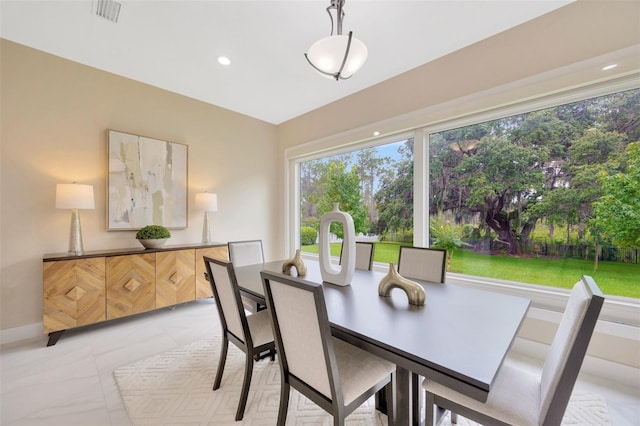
328	55
337	56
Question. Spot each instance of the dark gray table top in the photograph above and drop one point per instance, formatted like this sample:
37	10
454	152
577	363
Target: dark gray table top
460	336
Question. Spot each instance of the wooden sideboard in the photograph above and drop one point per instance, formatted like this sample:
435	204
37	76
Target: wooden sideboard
103	285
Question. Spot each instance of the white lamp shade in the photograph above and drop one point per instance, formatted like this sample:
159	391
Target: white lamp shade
207	201
327	55
74	196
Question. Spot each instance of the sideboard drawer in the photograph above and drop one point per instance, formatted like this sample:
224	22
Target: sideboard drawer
131	284
73	293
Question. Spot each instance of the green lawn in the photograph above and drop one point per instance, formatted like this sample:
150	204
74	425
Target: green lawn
619	279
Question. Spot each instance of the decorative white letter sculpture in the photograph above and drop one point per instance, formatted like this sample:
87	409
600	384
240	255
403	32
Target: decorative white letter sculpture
330	274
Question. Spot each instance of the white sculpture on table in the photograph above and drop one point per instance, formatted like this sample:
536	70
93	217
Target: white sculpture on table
340	276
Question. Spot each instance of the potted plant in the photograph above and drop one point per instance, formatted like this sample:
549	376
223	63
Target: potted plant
153	236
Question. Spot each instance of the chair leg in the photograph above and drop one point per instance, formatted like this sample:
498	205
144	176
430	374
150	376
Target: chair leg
284	403
390	400
221	362
248	371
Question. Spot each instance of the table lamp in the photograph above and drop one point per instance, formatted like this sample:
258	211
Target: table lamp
74	196
209	203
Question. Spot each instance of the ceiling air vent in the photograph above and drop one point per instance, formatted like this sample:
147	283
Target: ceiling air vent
108	9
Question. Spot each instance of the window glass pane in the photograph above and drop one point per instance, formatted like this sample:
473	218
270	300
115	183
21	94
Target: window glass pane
374	185
543	197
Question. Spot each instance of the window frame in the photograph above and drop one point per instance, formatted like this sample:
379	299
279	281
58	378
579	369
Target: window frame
617	309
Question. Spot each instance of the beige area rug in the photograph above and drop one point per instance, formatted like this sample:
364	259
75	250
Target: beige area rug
174	388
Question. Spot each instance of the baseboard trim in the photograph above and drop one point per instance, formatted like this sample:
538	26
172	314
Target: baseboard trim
25	332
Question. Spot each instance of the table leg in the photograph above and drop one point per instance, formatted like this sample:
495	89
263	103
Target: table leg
404	397
416	400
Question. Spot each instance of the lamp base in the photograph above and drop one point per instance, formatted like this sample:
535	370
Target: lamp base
75	234
206	234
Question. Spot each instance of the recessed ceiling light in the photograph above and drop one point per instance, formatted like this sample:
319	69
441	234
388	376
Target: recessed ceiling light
376	133
224	60
608	67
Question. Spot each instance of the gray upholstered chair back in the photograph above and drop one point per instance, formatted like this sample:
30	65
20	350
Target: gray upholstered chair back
364	255
568	349
422	263
305	338
247	252
228	298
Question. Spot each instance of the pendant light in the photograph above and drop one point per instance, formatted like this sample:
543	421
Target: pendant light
337	56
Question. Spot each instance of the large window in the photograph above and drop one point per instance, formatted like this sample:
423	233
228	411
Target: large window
543	197
373	184
539	197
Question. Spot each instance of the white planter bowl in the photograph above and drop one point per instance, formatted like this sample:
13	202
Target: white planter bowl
157	243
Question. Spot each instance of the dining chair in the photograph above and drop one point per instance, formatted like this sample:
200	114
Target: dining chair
250	333
364	255
428	264
334	374
247	252
520	397
421	263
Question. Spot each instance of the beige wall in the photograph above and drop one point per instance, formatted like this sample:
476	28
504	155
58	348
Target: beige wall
54	119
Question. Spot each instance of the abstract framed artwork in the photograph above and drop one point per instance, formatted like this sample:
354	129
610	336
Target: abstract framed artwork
146	183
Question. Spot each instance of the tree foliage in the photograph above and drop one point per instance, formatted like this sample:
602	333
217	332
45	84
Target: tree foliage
324	183
516	172
617	212
395	196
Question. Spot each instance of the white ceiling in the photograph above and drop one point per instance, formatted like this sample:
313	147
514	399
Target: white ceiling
174	44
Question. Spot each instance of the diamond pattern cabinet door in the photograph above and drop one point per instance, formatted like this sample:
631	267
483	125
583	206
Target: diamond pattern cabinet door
73	293
175	277
131	284
203	288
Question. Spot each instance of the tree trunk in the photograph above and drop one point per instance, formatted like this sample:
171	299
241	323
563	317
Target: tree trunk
506	235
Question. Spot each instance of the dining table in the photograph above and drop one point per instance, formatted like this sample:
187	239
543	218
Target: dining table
459	337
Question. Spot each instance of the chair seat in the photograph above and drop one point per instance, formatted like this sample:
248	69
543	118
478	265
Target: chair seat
514	397
260	328
358	370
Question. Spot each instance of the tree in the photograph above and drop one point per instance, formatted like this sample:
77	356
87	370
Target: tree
617	212
312	186
514	172
503	180
395	196
569	200
343	187
369	167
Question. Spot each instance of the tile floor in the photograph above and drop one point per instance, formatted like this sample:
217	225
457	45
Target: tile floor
72	383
